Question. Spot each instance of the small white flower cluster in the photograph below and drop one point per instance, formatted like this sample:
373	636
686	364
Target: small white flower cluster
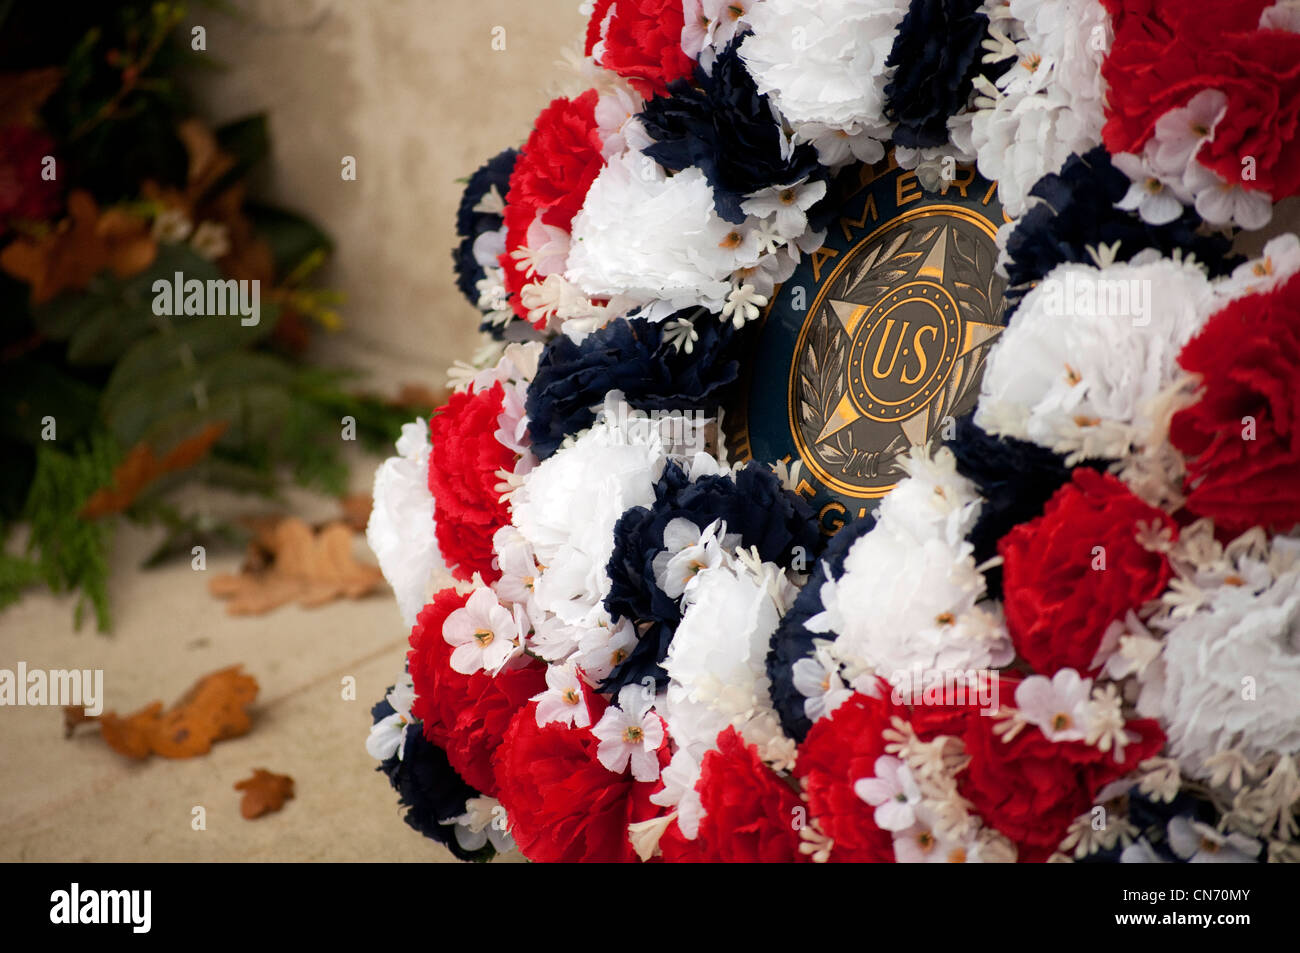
1166	176
1219	665
1049	104
913	789
709	25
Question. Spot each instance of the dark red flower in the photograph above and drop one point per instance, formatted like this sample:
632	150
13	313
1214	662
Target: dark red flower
1242	438
465	715
463	479
838	751
1070	573
1166	51
550	179
24	193
642	42
1031	789
751	815
564	805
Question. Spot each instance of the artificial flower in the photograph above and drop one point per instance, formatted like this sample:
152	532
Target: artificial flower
630	735
1242	436
464	715
1070	573
400	530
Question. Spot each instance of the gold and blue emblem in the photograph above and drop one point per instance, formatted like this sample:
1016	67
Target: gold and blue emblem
877	342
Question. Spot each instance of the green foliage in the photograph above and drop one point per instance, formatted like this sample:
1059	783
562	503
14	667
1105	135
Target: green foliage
111	372
292	238
71	553
248	142
17	575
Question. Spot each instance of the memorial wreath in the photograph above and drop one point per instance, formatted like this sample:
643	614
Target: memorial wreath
880	452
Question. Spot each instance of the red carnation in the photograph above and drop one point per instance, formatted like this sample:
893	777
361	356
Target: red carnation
564	805
750	814
465	715
642	42
463	479
1166	51
838	751
1242	438
551	177
1031	789
24	193
1070	573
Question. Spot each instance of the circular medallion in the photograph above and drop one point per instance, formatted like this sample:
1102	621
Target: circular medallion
877	342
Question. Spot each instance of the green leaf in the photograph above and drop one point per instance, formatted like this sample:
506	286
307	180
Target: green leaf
101	323
157	409
248	141
292	238
31	390
181	344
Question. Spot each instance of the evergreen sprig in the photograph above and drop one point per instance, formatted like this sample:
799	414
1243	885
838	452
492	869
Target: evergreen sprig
71	553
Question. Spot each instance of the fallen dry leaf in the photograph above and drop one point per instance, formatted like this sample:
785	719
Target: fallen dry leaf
356	510
420	398
264	793
288	562
80	247
214	709
140	468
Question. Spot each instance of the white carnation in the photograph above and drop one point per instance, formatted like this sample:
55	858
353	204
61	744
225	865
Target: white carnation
568	505
904	601
822	62
934	502
719	652
651	237
1078	370
401	529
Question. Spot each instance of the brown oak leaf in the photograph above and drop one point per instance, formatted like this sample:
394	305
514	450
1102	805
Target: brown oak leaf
264	793
214	709
418	397
356	510
290	562
141	467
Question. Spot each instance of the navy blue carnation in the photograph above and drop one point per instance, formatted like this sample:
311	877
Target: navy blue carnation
471	224
720	123
792	641
635	357
468	271
1078	210
428	787
1151	816
754	506
936	57
495	172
